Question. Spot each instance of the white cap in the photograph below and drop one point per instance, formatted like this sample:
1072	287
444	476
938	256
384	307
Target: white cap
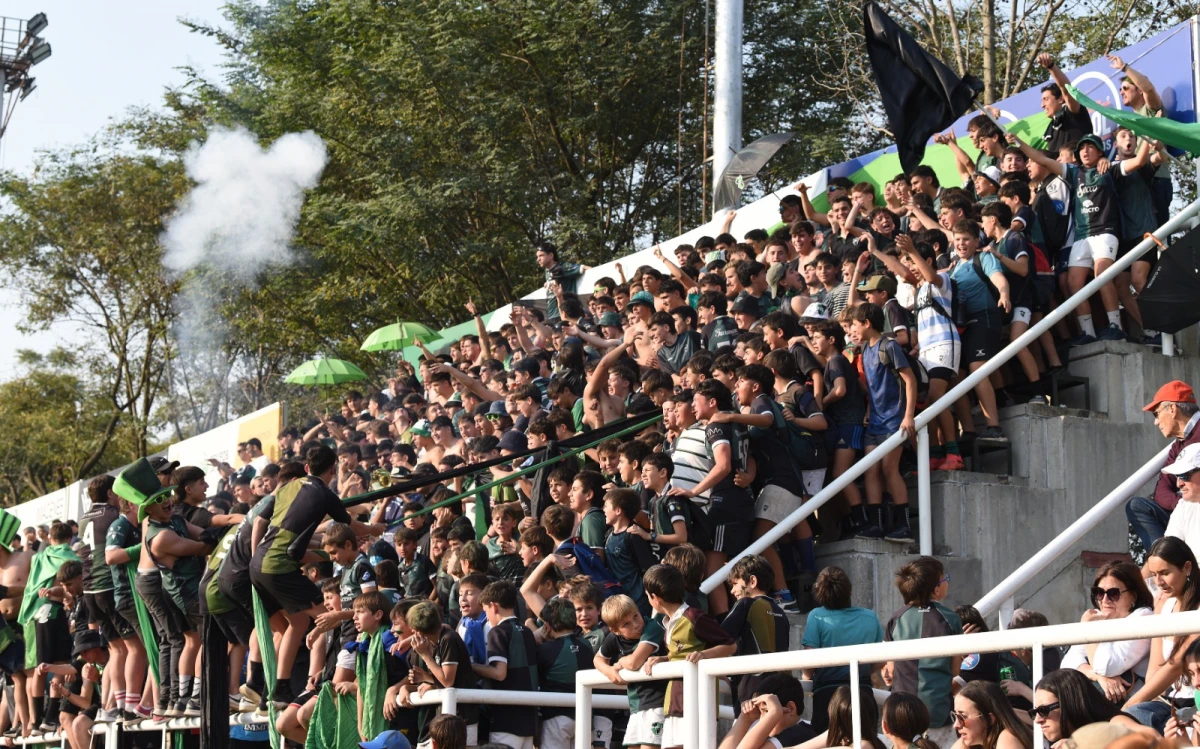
992	173
1187	461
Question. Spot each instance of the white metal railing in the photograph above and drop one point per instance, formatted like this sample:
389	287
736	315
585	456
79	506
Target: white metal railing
1001	596
587	681
965	386
1035	638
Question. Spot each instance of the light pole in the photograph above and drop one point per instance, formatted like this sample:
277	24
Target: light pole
727	93
20	49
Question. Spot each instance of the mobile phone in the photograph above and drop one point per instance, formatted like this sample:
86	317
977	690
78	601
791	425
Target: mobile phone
1184	715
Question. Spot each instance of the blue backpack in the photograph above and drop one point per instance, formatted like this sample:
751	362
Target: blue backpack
590	564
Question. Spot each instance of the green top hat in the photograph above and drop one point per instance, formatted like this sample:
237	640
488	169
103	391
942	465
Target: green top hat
138	485
10	525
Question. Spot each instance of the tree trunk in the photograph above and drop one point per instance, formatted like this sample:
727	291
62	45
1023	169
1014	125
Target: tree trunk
988	11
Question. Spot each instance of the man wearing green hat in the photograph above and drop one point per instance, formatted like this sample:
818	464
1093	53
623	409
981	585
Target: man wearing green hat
300	507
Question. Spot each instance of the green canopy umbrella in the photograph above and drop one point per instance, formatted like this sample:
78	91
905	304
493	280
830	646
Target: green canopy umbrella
397	336
325	372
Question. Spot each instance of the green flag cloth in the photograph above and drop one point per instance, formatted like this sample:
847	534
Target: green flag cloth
371	673
42	570
149	641
266	649
1182	135
334	721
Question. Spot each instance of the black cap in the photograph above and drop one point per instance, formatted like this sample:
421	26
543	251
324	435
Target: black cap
746	304
86	639
514	441
161	465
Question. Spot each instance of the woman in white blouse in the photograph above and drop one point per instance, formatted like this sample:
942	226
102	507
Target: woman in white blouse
1118	668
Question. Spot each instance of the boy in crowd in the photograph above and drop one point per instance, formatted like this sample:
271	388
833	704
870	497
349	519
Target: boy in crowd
358	577
511	665
771	716
375	669
502	548
626	553
586	499
689	633
668	513
562	655
439	658
473	626
892	396
415	569
756	621
931	679
631	641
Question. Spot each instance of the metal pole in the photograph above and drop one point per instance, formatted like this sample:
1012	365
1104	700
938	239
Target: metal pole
691	705
450	701
965	386
706	691
583	715
855	705
727	94
924	501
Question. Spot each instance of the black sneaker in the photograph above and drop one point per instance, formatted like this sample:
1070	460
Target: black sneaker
991	433
1082	339
1111	333
902	529
282	696
869	531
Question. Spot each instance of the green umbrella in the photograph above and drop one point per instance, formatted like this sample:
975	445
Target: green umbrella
398	335
325	372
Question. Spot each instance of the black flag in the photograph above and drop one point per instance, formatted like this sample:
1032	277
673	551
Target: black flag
1168	303
920	94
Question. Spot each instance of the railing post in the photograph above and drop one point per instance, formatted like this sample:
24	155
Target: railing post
924	502
691	705
1006	612
111	738
450	701
707	696
583	716
855	705
1037	676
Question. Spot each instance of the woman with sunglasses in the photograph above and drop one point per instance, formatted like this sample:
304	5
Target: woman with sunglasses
1174	568
1066	700
1118	591
983	718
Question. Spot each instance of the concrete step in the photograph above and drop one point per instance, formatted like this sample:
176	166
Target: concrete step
872	564
1123	376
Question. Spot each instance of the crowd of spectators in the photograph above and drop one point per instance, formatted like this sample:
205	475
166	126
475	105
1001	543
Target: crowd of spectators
775	363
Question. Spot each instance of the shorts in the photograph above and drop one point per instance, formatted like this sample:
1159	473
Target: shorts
291	592
673	729
102	611
875	439
730	539
775	503
510	740
602	729
645	727
1062	259
558	732
845	437
238	590
69	708
346	659
12	659
813	480
236	626
53	638
980	340
1043	288
1088	251
944	355
128	612
189	612
472	738
1125	246
1020	314
304	697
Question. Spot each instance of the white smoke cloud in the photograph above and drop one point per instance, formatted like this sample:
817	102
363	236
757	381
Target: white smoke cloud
242	213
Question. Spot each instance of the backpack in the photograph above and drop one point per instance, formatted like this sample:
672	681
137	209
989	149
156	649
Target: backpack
918	370
590	564
806	449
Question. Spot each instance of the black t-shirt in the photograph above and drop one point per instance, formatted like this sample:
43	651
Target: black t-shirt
511	642
722	331
1067	127
775	465
729	502
805	361
300	506
237	562
194	514
673	358
558	661
793	735
97	520
851	408
842	248
449	651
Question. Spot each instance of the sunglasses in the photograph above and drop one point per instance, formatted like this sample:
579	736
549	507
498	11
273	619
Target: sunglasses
1112	594
1185	476
1043	711
961	717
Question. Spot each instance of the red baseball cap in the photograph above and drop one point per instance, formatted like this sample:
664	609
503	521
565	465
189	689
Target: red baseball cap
1174	391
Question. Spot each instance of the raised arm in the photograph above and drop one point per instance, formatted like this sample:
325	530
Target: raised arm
1031	153
905	244
1149	92
1047	61
810	213
675	270
467	381
728	222
481	330
966	167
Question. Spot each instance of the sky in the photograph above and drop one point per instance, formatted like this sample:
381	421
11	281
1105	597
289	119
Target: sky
107	57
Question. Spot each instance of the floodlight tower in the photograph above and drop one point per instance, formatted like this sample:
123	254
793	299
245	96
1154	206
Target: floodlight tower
20	49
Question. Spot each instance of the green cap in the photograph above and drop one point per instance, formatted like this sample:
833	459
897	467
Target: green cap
138	485
10	525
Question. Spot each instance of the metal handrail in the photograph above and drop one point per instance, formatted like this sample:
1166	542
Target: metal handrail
923	419
1034	638
1005	590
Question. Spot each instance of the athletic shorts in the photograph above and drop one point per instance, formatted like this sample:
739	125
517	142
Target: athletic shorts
291	592
237	588
980	341
1125	246
731	538
236	626
127	612
102	611
1088	251
510	740
845	437
775	503
12	659
304	697
814	481
558	732
70	709
673	730
602	730
875	439
645	727
1043	287
1019	314
53	639
944	355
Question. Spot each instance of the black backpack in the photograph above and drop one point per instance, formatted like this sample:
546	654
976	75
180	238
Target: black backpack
918	370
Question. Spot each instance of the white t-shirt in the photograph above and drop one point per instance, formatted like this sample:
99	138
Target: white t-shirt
1185	524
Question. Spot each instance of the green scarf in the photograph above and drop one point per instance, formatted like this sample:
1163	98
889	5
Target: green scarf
42	570
266	648
334	722
371	673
